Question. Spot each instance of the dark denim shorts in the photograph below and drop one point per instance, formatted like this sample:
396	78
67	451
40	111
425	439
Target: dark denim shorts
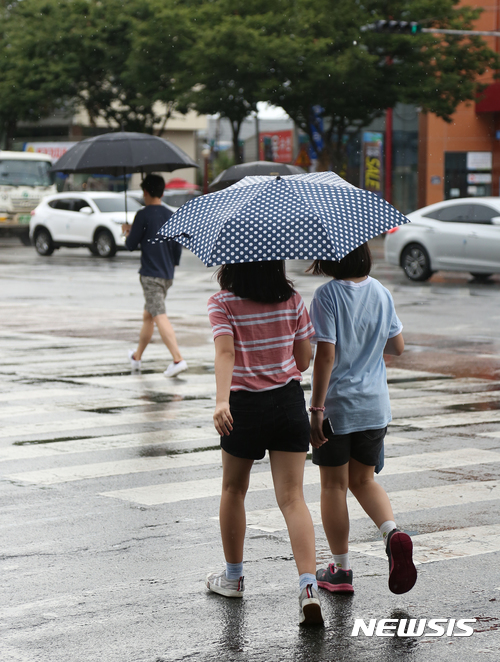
363	446
274	420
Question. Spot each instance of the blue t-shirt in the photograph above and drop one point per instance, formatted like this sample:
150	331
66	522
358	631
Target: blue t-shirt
158	259
358	318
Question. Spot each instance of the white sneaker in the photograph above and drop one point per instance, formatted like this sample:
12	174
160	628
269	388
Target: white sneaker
219	583
135	365
175	368
310	607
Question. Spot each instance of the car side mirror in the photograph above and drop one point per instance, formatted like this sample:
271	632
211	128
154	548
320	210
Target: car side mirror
88	210
495	220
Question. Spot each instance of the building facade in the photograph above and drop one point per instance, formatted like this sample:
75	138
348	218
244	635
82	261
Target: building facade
462	158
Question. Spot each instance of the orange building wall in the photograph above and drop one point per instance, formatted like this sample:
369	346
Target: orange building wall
467	132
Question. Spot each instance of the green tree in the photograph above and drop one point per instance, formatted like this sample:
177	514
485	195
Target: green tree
37	66
226	64
323	58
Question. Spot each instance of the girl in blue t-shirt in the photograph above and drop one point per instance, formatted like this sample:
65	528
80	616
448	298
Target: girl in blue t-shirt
355	325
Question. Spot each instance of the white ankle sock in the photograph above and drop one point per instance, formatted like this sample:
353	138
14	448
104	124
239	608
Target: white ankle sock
307	578
234	570
387	527
342	561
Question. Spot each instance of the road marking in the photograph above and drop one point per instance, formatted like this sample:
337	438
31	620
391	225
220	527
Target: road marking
138	440
445	400
443	545
262	480
119	468
442	496
90	420
449	420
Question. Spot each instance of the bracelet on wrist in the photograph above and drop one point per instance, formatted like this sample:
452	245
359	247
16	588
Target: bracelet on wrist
313	409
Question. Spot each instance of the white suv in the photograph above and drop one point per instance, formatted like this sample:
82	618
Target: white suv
78	218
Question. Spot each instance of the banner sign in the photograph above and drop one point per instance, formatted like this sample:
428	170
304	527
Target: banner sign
372	173
316	125
281	146
53	149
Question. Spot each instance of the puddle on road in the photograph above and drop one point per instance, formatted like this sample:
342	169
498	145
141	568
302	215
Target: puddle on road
158	451
37	442
476	406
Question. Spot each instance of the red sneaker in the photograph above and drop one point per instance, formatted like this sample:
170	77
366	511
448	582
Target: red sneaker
402	571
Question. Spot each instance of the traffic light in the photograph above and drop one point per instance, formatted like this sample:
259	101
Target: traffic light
394	27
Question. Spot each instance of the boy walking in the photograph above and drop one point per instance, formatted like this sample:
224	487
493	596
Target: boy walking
158	262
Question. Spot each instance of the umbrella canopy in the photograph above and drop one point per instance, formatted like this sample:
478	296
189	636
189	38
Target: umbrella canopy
299	217
122	153
236	172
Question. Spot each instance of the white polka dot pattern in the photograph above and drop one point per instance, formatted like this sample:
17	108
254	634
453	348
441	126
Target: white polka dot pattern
310	216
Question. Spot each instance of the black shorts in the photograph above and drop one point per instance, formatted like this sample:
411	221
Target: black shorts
364	446
274	420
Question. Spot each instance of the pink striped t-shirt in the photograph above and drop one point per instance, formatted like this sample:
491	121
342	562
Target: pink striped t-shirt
263	334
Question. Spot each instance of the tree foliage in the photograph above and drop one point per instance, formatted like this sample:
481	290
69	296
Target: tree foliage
324	58
130	64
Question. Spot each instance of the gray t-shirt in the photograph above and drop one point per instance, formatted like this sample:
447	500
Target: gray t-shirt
358	318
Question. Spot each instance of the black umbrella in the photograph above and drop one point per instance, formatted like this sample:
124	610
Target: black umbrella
236	172
122	153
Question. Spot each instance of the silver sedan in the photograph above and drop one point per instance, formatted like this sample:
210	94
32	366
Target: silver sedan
454	235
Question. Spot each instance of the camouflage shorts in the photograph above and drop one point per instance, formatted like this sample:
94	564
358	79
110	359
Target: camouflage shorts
155	291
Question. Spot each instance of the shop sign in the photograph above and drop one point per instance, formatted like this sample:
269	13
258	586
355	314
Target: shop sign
54	149
281	143
479	160
372	164
479	178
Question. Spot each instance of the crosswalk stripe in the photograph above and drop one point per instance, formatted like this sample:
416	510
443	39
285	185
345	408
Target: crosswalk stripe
119	468
88	421
443	545
442	496
209	487
454	399
449	420
138	440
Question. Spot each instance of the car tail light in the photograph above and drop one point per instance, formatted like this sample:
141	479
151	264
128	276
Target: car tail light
32	212
392	230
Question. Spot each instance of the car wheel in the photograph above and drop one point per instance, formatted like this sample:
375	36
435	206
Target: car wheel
93	249
480	276
105	244
415	262
43	242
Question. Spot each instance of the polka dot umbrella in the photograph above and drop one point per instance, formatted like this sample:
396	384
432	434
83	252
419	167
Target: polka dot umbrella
295	217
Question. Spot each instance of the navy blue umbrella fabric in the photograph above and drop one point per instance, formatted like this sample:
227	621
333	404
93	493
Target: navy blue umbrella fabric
295	217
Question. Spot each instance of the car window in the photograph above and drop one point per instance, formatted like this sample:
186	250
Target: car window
483	214
452	213
79	203
62	203
117	204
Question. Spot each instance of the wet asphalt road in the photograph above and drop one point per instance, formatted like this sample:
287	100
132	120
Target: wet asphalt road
109	481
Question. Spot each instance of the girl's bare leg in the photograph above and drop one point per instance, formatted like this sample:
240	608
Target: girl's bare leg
235	479
288	477
371	496
334	513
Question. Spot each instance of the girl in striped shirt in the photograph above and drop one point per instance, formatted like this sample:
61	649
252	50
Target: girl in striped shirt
261	331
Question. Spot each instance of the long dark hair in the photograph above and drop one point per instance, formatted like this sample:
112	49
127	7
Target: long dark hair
356	264
265	282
